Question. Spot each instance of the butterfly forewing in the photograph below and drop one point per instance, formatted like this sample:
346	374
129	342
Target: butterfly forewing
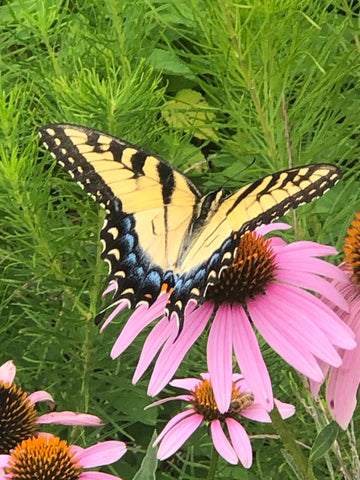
123	177
258	203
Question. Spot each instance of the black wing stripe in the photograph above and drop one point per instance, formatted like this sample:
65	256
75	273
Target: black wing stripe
68	154
316	188
138	161
167	180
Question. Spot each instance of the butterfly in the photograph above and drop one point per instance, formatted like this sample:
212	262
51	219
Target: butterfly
160	233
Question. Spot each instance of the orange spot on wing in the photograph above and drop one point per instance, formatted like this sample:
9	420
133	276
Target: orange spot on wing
165	288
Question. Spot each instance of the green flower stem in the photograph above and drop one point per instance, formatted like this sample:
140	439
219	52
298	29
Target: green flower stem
213	465
292	447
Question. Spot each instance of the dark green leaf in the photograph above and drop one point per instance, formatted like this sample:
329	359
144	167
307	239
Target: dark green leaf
324	441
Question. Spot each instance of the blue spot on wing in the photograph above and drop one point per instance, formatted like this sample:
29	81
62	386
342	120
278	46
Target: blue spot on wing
137	278
193	285
126	244
127	223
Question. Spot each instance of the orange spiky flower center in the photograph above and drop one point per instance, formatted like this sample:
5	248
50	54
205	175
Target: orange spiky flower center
205	404
352	248
43	458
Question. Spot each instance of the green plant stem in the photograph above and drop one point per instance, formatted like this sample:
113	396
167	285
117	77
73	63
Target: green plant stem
113	9
292	447
213	465
249	81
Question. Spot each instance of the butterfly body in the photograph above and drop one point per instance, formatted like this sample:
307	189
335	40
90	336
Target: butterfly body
159	232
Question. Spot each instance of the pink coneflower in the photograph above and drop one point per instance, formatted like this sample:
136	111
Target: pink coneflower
343	382
18	416
265	287
50	458
228	435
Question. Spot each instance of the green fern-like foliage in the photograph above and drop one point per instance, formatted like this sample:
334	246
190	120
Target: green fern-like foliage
268	84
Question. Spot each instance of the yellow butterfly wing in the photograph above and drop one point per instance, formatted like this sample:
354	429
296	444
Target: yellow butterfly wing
258	203
121	176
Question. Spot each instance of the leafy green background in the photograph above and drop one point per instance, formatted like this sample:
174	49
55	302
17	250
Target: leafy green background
212	87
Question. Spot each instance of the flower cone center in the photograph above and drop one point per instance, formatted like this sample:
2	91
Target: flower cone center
17	417
251	271
352	248
43	458
205	404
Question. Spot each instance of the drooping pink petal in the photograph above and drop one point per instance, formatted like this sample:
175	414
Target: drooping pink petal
256	412
219	357
315	386
292	351
97	476
171	423
277	243
343	383
142	317
315	283
40	396
186	398
222	444
4	460
186	383
76	450
101	454
241	441
110	288
306	248
335	329
298	324
119	308
264	229
174	351
250	359
353	320
303	263
7	372
154	341
286	410
178	435
70	418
